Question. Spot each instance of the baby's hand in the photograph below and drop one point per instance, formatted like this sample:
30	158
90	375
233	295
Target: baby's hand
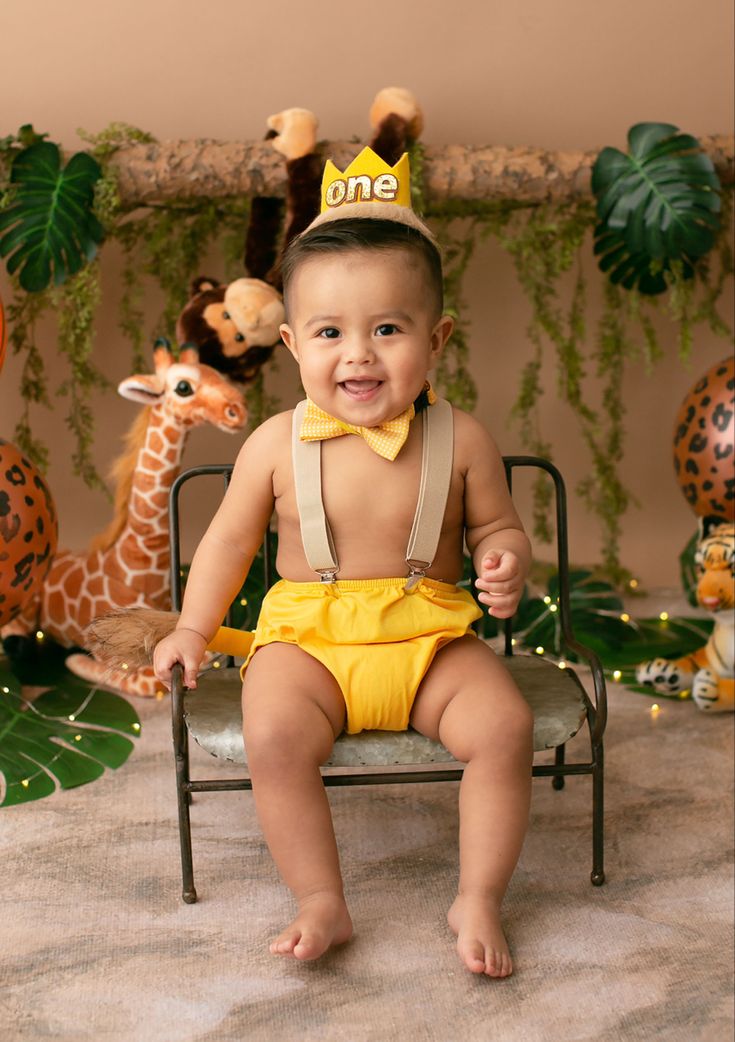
501	580
184	646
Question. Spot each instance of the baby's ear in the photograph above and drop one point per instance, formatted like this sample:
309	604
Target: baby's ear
440	334
289	339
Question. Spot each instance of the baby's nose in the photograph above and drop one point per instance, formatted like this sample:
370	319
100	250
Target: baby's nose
358	350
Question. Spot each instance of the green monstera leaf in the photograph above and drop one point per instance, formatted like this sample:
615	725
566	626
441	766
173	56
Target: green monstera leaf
66	737
658	207
50	230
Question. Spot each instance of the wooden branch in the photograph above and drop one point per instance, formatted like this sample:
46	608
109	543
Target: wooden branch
188	170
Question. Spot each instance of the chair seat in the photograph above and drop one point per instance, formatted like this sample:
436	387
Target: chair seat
214	718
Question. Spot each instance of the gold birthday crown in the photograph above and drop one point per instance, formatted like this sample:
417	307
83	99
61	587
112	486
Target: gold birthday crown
368	179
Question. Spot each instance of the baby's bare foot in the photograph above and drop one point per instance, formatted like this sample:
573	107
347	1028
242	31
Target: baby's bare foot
323	920
481	943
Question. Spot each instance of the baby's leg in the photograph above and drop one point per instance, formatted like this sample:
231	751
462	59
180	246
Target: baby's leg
469	701
292	712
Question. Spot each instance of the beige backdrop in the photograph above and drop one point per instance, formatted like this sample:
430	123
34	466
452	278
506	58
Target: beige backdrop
564	74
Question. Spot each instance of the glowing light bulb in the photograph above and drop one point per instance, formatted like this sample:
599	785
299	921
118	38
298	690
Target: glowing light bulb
124	665
625	617
539	650
655	709
243	601
216	665
664	616
547	599
562	664
513	641
71	717
617	674
633	583
553	607
40	635
6	690
25	783
136	727
77	738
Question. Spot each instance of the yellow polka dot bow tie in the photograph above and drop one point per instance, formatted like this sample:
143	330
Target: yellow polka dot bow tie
387	439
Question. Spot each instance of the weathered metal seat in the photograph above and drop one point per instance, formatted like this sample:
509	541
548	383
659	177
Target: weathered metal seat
212	714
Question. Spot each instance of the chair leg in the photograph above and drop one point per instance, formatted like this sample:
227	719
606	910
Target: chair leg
598	870
181	754
188	893
558	780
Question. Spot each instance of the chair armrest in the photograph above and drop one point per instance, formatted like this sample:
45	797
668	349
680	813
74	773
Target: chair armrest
599	717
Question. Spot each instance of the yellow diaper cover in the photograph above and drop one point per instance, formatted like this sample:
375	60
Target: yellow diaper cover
375	637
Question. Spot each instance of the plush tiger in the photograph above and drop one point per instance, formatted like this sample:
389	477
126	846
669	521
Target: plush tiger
709	673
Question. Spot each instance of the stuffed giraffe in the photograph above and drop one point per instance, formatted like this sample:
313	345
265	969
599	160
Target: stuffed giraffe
128	564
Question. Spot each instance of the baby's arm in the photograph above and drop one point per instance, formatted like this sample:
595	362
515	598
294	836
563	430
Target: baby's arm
224	555
501	552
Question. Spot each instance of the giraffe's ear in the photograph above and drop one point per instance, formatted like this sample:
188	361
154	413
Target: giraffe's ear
146	389
189	354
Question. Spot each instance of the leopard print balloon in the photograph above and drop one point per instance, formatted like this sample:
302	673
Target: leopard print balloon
704	443
28	531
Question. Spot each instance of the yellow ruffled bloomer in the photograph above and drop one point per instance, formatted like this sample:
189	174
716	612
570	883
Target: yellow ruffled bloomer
375	638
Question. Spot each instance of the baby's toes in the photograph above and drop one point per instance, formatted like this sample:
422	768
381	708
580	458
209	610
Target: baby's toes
285	943
309	947
472	955
498	964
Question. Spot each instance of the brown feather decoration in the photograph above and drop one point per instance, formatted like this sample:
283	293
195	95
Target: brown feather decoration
129	635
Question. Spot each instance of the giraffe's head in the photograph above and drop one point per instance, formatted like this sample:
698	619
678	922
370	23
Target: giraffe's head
189	392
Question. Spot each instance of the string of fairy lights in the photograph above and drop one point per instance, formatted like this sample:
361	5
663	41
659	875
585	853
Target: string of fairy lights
618	676
552	609
28	780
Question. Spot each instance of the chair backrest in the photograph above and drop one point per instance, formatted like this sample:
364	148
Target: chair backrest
511	463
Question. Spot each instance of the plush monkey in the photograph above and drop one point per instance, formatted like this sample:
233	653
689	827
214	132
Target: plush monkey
397	122
235	327
292	133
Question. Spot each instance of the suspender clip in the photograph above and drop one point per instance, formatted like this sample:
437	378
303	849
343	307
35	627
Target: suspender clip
416	572
327	575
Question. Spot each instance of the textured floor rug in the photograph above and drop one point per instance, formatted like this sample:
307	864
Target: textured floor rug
96	944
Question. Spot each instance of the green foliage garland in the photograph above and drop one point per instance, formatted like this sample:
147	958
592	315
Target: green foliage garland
168	245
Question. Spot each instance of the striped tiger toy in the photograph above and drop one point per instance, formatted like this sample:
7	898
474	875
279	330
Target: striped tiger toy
709	672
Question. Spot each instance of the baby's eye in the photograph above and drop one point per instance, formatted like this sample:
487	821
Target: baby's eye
329	333
386	329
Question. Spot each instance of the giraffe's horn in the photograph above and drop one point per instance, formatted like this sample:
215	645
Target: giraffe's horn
128	635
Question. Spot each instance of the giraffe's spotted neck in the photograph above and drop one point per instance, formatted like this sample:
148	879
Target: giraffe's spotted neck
141	553
158	463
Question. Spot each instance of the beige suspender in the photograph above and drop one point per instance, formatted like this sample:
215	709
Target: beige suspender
436	474
307	472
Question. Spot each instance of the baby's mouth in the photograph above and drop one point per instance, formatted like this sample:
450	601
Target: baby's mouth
360	388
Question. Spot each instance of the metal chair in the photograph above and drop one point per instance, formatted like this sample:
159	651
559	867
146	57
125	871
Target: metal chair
212	713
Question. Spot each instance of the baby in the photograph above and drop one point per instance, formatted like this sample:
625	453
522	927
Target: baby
361	633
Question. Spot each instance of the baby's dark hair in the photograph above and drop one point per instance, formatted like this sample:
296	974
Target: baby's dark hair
361	233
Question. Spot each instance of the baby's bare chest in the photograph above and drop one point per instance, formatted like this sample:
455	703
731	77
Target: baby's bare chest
367	498
360	488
